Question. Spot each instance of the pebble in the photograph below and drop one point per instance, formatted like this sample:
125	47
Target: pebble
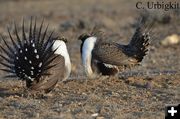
171	40
100	118
95	115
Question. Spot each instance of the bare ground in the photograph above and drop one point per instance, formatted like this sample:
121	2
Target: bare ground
141	92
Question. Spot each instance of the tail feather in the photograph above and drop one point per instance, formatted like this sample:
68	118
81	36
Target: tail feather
10	76
47	86
30	57
34	31
8	70
10	61
40	30
41	40
23	34
17	36
140	42
6	52
9	48
30	30
13	42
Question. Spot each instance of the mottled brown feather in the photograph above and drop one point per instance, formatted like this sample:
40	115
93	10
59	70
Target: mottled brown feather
48	82
122	55
111	53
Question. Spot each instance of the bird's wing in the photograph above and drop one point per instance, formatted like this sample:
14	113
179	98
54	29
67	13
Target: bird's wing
111	53
56	73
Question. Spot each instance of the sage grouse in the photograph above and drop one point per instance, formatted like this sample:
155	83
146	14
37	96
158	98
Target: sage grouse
108	58
41	59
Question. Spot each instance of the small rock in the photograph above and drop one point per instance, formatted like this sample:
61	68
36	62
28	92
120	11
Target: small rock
130	80
148	85
95	115
171	40
100	118
37	115
15	104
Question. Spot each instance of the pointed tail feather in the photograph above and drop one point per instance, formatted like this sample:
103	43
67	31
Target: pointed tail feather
140	41
29	58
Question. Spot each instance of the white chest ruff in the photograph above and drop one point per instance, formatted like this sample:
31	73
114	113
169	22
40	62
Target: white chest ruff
86	54
62	50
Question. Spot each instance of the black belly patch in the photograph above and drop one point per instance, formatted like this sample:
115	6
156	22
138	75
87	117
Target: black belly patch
106	70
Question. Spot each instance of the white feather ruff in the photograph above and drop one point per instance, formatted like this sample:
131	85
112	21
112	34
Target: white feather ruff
86	54
62	50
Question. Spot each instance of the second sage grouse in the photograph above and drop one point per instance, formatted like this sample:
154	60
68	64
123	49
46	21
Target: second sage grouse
108	58
41	59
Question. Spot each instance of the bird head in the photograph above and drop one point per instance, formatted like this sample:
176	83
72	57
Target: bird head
84	36
60	45
62	39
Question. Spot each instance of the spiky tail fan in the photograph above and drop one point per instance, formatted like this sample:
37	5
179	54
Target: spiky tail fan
140	41
28	58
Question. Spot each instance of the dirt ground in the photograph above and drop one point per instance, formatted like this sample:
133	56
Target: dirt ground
141	92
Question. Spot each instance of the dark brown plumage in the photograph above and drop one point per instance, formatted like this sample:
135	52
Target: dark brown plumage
108	58
47	83
32	59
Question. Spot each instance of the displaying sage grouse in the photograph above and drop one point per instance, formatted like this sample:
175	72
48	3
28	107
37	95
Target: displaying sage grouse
100	56
39	59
